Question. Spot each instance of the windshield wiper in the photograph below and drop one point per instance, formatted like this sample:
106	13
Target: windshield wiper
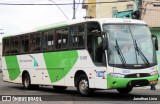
140	53
120	53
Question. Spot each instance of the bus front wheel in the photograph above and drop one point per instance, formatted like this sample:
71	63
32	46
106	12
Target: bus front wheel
125	90
83	86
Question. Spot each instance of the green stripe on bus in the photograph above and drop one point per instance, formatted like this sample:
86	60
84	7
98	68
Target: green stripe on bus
59	63
51	27
12	67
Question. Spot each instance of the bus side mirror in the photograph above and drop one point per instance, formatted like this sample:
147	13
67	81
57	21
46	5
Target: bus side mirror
105	43
155	42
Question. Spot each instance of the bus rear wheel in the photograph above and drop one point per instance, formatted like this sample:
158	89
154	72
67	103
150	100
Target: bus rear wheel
27	82
125	90
83	86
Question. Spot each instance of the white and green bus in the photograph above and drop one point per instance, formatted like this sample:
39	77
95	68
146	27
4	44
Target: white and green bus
88	54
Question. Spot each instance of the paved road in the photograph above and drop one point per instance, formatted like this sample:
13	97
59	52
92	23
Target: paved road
71	96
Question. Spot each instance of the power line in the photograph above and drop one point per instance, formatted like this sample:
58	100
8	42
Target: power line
64	3
59	9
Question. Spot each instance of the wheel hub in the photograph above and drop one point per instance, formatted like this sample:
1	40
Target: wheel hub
26	82
83	86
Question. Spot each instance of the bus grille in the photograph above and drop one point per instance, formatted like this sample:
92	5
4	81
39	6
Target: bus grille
137	83
137	75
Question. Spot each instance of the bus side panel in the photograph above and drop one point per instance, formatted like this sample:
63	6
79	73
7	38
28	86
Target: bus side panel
83	63
32	63
4	70
11	70
100	78
59	64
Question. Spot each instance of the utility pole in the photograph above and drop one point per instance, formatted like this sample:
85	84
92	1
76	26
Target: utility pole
74	9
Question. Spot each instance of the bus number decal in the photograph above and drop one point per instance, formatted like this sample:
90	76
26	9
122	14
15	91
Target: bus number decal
83	57
100	73
125	71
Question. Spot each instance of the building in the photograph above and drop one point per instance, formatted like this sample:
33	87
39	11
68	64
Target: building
90	8
105	10
151	15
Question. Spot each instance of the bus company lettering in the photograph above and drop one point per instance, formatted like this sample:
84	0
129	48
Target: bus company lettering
25	60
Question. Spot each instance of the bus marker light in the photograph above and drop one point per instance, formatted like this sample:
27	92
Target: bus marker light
153	82
103	78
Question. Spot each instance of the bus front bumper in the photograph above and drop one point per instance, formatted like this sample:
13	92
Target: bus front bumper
114	83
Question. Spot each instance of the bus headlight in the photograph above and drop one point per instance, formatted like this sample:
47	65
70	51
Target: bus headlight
117	75
154	73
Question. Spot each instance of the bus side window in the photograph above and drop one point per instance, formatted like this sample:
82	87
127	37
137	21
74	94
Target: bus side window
50	40
32	43
73	36
81	35
94	43
14	45
24	44
58	39
38	42
77	36
44	41
6	46
65	38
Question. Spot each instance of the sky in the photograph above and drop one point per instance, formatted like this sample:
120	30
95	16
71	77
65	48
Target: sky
20	19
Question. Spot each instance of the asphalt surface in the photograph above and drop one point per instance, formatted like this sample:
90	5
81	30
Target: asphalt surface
70	96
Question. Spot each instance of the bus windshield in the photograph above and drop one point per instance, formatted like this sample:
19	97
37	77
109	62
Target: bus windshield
130	45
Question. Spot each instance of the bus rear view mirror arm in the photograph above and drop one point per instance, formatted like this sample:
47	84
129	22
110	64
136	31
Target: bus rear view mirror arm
155	42
105	43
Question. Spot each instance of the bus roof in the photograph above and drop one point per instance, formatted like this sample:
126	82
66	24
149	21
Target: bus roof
100	20
76	21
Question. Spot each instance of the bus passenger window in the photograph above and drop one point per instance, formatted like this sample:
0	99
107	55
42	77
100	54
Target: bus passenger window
73	38
44	41
58	39
32	43
61	38
35	42
6	46
65	38
15	45
80	35
24	45
38	42
50	40
77	36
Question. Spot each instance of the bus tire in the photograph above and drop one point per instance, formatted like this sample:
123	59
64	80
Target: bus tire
83	86
27	82
125	90
60	88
